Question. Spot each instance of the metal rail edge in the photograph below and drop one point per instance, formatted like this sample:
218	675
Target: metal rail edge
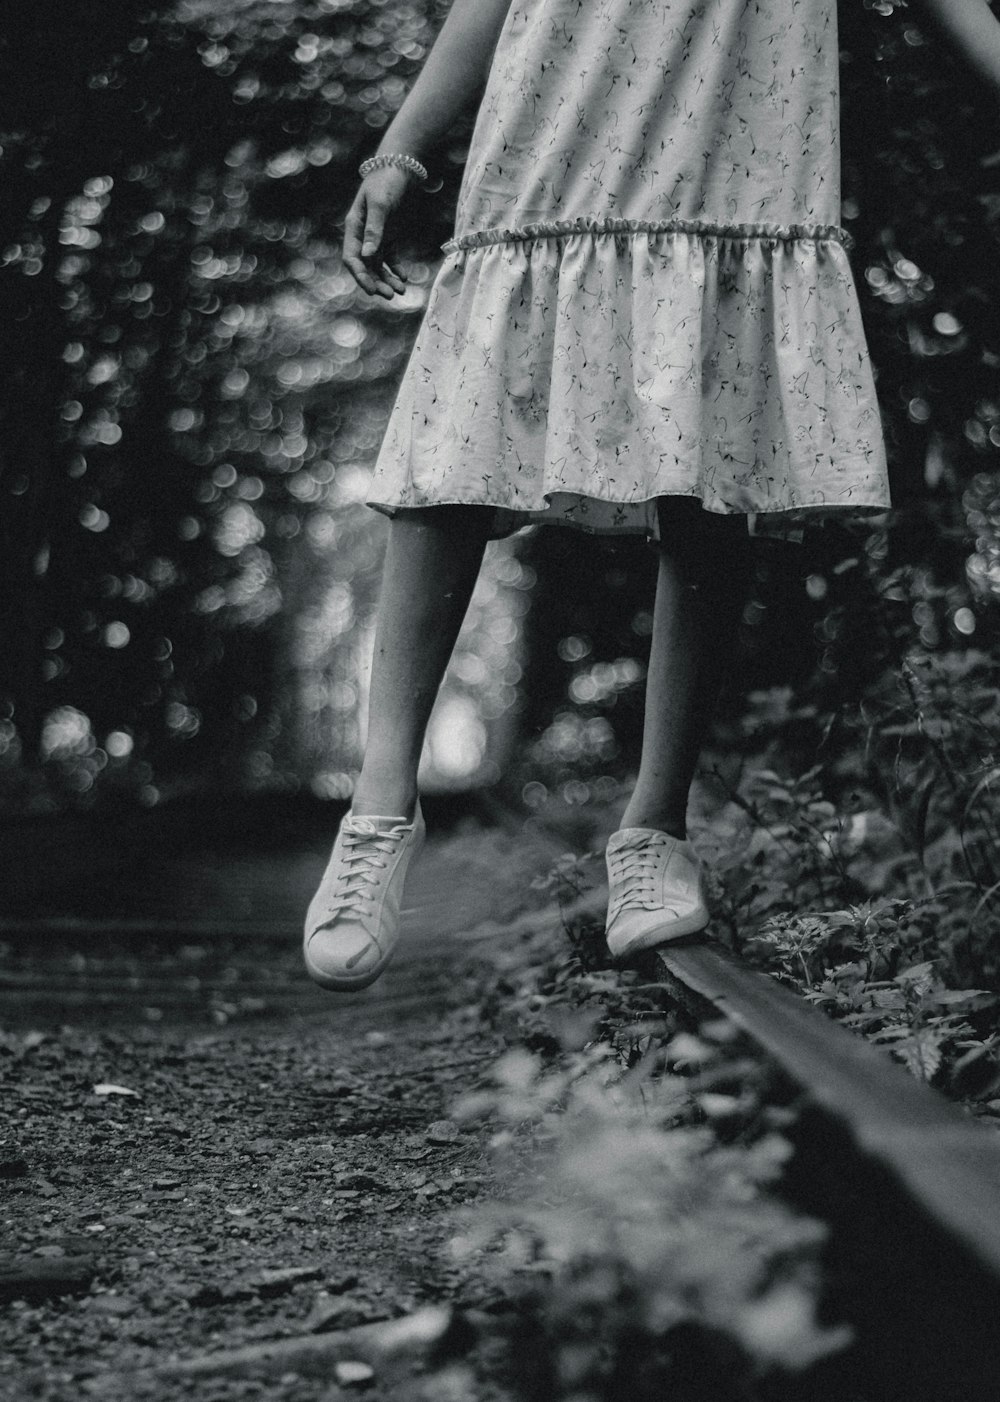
944	1161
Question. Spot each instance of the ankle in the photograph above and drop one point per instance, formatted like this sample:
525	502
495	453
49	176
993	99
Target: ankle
642	817
386	797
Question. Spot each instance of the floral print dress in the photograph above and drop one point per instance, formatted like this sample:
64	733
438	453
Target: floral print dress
648	292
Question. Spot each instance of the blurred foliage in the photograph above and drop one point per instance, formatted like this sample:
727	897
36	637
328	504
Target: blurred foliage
190	399
641	1236
194	391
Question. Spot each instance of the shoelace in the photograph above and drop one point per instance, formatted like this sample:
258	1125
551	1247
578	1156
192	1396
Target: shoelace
362	846
635	876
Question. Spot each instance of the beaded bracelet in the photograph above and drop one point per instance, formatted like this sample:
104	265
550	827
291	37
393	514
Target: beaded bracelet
409	163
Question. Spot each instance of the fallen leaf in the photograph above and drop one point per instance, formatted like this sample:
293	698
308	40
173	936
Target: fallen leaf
423	1326
282	1279
719	1106
350	1372
442	1132
113	1304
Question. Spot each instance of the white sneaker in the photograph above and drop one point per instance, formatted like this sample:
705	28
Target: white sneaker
656	891
352	925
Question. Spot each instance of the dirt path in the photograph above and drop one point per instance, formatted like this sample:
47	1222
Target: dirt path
284	1165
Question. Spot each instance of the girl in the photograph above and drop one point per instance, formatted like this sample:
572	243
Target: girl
645	322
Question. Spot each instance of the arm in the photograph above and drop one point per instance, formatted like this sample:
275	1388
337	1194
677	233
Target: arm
454	73
973	32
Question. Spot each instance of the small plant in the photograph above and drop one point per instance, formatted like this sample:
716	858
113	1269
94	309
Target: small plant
863	965
871	882
789	846
637	1240
572	878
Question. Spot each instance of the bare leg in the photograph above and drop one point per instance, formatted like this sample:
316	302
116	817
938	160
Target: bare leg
700	593
431	565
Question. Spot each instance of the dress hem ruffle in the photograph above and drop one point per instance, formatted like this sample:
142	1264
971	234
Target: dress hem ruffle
702	228
618	370
776	523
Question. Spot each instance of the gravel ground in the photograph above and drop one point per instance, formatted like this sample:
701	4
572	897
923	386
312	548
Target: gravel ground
214	1155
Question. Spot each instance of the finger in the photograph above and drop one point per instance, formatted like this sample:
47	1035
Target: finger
374	227
383	289
394	276
368	281
361	275
354	224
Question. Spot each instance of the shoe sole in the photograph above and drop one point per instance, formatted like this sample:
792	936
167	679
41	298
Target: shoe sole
339	984
676	930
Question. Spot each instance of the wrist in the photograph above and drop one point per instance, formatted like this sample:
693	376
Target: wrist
402	160
409	136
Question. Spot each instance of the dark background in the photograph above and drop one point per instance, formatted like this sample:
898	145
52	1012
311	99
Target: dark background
192	390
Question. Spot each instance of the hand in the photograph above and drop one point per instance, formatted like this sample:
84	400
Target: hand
381	191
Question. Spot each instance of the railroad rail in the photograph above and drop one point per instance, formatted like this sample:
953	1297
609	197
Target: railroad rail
920	1167
908	1181
942	1158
